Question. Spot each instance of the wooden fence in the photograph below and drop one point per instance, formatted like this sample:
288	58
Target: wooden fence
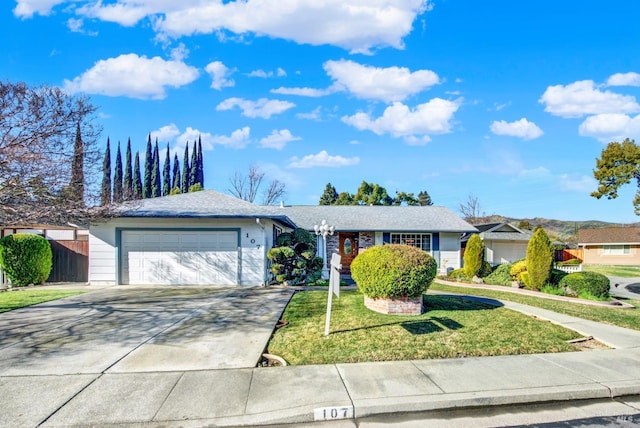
70	261
569	254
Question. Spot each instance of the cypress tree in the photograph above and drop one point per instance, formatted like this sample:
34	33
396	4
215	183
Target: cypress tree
127	185
193	171
185	170
148	166
156	186
329	196
200	163
117	178
539	259
176	174
77	169
105	190
473	255
137	178
166	174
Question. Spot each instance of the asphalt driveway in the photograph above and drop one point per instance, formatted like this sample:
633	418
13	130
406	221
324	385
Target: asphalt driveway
131	330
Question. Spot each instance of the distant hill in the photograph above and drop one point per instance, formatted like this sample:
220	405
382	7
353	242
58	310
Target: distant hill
561	230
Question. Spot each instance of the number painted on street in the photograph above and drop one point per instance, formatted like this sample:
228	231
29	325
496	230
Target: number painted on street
332	413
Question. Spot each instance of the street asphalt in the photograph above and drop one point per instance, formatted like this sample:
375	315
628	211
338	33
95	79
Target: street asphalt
187	357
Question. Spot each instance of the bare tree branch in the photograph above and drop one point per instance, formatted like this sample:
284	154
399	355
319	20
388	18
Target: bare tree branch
247	186
274	192
470	210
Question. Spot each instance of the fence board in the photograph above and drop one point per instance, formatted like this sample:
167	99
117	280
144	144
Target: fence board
70	261
569	254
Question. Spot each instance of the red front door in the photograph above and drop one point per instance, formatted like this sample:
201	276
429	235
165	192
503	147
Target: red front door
348	247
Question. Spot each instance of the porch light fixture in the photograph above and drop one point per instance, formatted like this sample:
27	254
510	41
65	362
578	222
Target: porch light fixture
324	230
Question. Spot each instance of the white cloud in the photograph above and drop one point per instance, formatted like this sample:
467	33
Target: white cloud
219	75
180	52
610	127
306	92
520	128
238	139
322	159
265	74
415	125
166	133
376	83
624	79
28	8
577	183
263	107
133	76
278	139
584	98
315	114
356	25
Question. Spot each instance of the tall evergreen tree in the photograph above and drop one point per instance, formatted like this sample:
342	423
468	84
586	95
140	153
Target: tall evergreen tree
77	169
539	259
105	190
148	167
156	185
424	199
176	173
193	171
329	196
166	174
186	172
137	178
127	185
200	163
117	178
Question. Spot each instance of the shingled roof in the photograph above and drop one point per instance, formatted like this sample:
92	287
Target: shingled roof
609	235
374	218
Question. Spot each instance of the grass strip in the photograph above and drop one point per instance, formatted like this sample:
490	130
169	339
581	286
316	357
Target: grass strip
629	318
19	298
451	327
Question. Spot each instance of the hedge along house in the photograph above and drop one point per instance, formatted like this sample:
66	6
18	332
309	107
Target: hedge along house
199	238
610	245
433	229
504	243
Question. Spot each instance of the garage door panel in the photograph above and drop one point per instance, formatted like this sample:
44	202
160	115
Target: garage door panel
179	257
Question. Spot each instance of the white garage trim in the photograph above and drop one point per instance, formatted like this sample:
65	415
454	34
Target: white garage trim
174	256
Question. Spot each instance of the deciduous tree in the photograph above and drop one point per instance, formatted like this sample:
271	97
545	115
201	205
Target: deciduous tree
618	164
247	186
471	211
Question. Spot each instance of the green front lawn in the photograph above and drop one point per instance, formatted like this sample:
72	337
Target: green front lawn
622	271
629	318
451	327
19	298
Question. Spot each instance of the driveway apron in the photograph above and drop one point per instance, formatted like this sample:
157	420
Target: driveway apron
124	329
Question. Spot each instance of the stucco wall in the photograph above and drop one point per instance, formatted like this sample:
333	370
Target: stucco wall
254	242
594	255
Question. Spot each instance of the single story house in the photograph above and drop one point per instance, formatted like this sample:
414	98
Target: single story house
504	243
610	245
433	229
210	238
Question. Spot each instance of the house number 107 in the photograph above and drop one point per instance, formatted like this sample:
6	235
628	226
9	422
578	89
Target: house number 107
332	413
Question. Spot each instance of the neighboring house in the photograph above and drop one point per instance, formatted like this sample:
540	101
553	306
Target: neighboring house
504	243
434	229
610	245
210	238
193	238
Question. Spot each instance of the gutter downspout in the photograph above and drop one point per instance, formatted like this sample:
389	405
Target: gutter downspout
264	252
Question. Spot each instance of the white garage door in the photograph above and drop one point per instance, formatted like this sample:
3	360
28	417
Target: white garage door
179	257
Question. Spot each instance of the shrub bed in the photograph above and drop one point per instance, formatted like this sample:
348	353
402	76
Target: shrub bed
500	276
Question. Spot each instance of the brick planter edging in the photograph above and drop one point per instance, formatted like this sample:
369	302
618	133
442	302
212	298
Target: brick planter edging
395	306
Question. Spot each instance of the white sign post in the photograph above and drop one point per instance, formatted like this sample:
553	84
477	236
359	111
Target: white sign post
334	287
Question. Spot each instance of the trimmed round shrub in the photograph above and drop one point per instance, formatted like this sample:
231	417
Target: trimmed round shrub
556	276
589	283
393	270
500	276
473	256
26	258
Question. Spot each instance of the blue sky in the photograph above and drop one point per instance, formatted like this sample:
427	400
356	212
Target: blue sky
507	101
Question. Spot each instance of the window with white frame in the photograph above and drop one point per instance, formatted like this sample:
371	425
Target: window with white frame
419	240
616	250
